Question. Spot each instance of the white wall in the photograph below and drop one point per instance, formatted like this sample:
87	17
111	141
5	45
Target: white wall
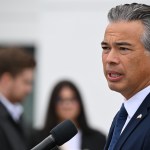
67	34
18	21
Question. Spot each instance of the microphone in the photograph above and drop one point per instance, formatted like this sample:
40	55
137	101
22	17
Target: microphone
60	134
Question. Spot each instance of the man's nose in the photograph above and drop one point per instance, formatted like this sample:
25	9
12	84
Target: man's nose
113	57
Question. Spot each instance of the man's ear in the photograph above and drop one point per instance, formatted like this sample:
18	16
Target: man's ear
6	78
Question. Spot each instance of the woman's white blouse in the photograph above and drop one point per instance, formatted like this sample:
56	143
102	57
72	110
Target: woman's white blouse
74	143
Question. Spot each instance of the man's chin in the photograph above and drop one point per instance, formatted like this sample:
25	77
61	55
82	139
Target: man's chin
19	99
115	88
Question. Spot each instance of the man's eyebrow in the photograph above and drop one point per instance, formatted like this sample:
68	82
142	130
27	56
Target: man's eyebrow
122	44
117	43
104	43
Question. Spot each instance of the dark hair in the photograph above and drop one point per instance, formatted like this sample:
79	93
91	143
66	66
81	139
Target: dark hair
133	12
52	119
15	60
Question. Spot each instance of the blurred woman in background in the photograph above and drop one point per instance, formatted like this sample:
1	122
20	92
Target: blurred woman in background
66	103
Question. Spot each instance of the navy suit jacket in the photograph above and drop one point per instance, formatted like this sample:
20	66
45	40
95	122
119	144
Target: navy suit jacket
136	135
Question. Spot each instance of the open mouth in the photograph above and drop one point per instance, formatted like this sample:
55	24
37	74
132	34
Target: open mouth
114	76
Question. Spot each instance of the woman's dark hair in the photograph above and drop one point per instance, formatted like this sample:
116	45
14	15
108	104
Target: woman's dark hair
52	118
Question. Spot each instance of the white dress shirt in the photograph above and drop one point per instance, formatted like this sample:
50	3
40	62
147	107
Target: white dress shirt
132	104
74	143
15	110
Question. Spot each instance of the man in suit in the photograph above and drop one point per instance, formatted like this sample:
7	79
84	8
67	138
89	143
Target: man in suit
126	64
16	76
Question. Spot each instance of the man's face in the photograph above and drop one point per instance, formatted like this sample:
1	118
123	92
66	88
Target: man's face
126	62
20	86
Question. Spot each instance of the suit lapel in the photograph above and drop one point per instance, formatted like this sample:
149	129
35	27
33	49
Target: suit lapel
9	127
134	122
15	140
110	133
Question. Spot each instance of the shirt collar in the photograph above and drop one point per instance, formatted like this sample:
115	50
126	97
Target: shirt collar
135	101
15	110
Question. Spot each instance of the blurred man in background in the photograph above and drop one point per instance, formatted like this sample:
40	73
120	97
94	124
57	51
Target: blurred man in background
16	76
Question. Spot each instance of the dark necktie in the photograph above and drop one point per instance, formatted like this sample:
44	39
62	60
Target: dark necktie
120	121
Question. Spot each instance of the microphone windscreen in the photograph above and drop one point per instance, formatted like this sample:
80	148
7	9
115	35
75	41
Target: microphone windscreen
63	132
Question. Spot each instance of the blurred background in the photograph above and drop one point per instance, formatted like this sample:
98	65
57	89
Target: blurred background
64	36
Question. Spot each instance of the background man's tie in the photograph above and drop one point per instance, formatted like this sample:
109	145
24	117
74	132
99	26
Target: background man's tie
120	121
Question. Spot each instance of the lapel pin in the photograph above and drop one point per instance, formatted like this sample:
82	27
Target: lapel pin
139	116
